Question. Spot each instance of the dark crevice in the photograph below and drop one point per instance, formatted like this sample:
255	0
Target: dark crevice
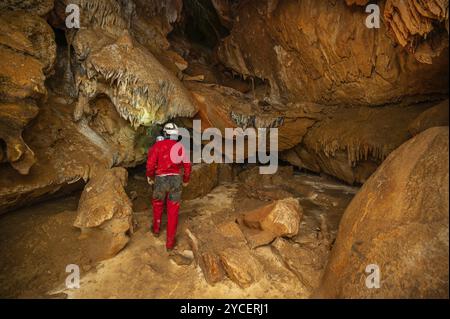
200	23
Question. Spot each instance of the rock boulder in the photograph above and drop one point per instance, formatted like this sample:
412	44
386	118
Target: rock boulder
399	222
105	212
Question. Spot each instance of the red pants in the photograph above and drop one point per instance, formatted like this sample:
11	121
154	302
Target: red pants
172	218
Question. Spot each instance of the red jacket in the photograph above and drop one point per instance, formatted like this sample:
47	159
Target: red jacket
159	161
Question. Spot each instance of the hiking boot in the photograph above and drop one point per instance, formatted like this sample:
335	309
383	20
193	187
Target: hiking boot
169	249
156	235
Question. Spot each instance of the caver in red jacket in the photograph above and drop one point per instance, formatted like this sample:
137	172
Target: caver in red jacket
167	187
159	161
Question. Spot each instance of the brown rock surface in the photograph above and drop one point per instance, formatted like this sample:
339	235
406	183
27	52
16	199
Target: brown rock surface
317	52
13	119
351	143
240	267
419	26
66	153
279	219
306	263
38	7
105	211
434	116
27	54
204	178
219	247
223	107
221	251
398	221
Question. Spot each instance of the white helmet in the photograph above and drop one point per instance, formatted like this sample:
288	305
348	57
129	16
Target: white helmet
170	129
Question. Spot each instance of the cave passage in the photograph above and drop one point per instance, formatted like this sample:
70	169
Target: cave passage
336	184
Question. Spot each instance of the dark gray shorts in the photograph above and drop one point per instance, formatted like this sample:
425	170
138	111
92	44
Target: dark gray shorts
170	184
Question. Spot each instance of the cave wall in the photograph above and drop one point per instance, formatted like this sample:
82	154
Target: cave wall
73	100
322	52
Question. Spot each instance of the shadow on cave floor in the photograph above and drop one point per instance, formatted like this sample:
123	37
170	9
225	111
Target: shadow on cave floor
38	242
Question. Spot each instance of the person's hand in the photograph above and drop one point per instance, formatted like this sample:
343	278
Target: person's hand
185	184
150	181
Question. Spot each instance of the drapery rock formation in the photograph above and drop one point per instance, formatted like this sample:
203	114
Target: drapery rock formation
399	222
351	143
142	90
419	26
322	52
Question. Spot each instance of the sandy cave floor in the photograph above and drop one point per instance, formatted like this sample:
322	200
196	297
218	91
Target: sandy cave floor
39	241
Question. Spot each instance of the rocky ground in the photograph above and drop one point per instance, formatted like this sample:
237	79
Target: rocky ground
38	242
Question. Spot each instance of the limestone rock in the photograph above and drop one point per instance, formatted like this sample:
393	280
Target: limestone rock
398	221
29	34
419	26
226	173
141	89
316	52
105	206
267	187
128	146
279	219
221	251
304	262
27	54
242	269
103	198
183	258
13	119
110	61
223	107
66	154
38	7
204	177
351	143
434	116
208	261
